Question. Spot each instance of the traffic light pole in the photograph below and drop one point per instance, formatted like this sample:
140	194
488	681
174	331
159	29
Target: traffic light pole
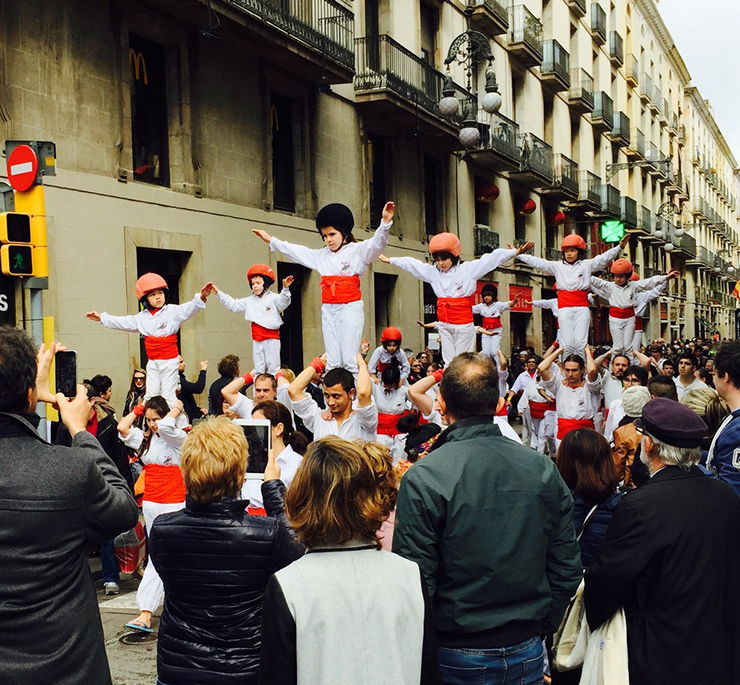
36	287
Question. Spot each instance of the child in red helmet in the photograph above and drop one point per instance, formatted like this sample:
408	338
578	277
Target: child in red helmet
389	352
491	310
573	275
264	309
622	296
341	263
159	323
454	283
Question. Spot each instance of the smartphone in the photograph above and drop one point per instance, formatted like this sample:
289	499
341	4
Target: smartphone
258	433
66	372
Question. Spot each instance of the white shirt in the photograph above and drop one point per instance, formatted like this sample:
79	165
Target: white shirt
551	304
244	405
380	354
576	276
625	295
393	402
288	460
574	403
158	323
351	259
522	381
611	387
503	425
265	311
361	424
460	280
616	414
682	389
164	448
493	310
646	297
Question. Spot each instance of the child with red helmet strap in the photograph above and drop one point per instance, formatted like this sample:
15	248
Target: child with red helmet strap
454	283
573	275
490	309
159	323
264	309
389	353
340	263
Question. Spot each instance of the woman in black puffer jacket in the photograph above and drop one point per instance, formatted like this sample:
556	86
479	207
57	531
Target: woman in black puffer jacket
215	559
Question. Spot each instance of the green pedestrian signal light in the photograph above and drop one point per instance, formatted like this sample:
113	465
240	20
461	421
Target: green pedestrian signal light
612	231
17	260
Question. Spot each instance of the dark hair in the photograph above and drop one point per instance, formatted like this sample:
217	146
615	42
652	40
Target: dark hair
276	413
690	357
390	375
17	369
469	386
624	356
638	371
585	462
101	383
663	386
229	366
417	434
443	254
144	299
670	361
133	388
339	376
532	356
575	358
269	376
489	289
706	377
266	280
727	361
159	405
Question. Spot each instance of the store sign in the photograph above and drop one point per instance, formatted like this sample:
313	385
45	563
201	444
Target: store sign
7	300
526	292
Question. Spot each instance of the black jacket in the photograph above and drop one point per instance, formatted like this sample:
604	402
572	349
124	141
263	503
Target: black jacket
595	531
187	390
215	561
671	557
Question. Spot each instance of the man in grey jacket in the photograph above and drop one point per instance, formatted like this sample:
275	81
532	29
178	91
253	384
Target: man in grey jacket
54	501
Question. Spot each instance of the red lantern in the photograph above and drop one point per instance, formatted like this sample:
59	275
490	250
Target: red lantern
558	219
486	192
527	208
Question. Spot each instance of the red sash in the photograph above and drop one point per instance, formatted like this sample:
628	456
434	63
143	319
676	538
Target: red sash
456	310
163	484
504	411
382	366
622	312
260	333
256	511
572	298
490	322
638	323
537	409
340	289
565	426
387	423
161	348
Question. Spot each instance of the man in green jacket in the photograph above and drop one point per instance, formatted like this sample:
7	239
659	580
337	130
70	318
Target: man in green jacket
490	523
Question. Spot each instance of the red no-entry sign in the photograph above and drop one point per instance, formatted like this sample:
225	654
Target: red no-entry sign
23	167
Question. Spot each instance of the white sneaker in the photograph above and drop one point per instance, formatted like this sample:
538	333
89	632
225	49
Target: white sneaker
111	588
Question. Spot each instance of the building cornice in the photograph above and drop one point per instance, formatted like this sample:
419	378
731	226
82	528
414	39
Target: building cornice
649	11
700	105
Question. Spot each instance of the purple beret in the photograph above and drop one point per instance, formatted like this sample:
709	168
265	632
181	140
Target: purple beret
672	423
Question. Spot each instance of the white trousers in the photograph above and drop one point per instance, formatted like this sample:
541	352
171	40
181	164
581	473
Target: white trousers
151	589
550	429
535	439
162	377
266	355
491	344
623	333
527	428
637	340
455	338
573	335
342	327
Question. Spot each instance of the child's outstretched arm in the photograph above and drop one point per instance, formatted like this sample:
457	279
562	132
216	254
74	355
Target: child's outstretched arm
422	271
488	262
370	250
232	304
540	264
600	261
300	254
283	301
182	312
128	324
363	384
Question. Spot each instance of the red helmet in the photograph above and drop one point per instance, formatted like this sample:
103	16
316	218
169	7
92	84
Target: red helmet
622	266
260	270
573	240
391	334
149	282
445	242
634	277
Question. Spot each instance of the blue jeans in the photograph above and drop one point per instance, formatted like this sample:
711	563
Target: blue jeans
521	664
108	561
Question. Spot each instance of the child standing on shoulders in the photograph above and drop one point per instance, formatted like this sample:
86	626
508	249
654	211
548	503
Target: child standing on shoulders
453	282
159	323
491	310
341	263
389	352
264	309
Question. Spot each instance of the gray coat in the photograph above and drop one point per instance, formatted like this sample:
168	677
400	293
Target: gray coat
54	501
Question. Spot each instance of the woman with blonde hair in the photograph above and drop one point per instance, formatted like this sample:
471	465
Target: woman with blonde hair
347	612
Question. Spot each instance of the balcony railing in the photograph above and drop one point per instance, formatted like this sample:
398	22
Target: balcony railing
646	86
555	60
536	156
324	25
589	188
498	8
577	6
687	243
621	130
565	173
637	142
610	202
603	109
632	70
702	254
629	211
499	134
384	64
581	88
616	48
645	220
657	97
598	23
525	28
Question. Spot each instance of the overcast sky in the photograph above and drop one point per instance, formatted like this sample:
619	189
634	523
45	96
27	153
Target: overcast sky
707	34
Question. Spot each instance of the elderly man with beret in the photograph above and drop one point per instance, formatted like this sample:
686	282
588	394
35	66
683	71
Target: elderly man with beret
670	558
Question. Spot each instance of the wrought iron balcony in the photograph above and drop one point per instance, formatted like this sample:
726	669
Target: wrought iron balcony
657	99
653	154
636	148
665	113
644	222
616	48
525	36
535	162
603	115
610	201
492	16
581	93
578	7
499	142
325	26
702	259
485	240
629	212
555	68
565	178
675	183
598	23
620	134
646	87
686	244
589	190
632	70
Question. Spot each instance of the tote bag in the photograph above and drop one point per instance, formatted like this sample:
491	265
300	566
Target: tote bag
606	661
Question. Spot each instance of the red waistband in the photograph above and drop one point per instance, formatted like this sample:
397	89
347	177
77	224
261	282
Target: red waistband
455	310
504	411
490	322
260	333
638	323
572	298
340	289
163	484
387	423
622	312
537	409
161	348
565	426
256	511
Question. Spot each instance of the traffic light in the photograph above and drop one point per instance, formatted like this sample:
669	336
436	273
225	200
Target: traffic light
16	254
611	231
